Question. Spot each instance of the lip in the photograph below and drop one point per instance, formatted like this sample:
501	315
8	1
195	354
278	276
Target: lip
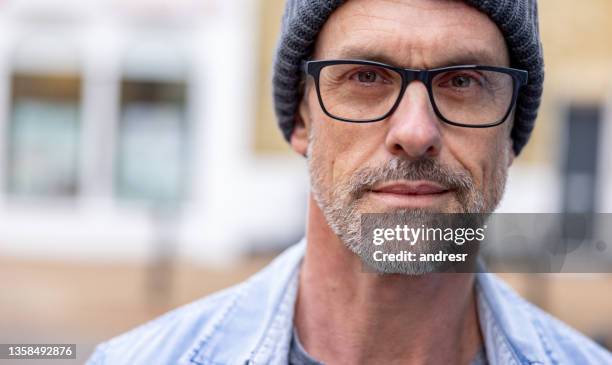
410	188
406	194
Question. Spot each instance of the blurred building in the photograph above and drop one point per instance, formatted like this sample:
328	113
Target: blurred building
127	129
568	164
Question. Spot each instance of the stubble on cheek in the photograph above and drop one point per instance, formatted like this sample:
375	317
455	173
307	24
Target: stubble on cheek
495	176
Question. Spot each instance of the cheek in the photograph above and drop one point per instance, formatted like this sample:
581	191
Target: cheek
494	169
483	153
341	148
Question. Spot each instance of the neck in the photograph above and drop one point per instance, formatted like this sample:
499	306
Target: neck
346	316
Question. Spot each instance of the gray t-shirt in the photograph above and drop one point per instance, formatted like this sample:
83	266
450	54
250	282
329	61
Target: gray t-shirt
299	356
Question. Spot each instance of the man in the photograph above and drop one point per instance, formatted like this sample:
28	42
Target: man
383	136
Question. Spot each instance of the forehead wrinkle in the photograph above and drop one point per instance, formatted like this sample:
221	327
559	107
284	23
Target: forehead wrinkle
456	34
419	56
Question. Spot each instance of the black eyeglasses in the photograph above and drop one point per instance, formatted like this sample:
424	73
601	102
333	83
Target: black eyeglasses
364	91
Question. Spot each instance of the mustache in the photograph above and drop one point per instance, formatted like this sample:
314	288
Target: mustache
429	169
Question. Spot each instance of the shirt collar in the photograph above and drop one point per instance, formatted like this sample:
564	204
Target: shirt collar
508	327
255	326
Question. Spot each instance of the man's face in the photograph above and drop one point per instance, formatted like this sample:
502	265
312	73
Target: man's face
410	162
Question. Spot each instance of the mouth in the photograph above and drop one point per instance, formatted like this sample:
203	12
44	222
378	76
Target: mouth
410	193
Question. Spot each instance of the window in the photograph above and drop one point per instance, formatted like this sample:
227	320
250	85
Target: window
581	159
152	142
44	136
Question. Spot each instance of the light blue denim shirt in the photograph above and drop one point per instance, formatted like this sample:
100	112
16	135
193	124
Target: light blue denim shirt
252	323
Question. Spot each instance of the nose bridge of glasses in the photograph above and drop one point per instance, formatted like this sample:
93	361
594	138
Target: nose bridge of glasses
419	93
411	75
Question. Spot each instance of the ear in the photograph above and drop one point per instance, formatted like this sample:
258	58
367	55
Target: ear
299	136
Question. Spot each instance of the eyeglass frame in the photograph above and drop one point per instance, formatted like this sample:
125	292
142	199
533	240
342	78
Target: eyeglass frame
520	77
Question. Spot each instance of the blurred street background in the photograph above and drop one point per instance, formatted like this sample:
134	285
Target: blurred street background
141	167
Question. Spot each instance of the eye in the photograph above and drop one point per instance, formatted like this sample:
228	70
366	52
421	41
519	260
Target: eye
367	76
462	81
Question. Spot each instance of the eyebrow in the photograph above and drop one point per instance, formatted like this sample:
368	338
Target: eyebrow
460	57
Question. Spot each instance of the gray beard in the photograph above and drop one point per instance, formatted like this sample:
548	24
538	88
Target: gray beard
341	209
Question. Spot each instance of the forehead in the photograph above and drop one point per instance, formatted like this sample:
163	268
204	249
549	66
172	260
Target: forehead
412	34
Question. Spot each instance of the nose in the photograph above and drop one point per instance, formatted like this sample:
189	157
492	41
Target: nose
414	130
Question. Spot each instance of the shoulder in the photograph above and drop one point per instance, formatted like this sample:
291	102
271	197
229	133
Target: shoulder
228	319
166	338
564	342
531	334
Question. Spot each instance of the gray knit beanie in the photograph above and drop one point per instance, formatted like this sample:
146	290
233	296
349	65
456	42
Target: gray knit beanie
517	20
